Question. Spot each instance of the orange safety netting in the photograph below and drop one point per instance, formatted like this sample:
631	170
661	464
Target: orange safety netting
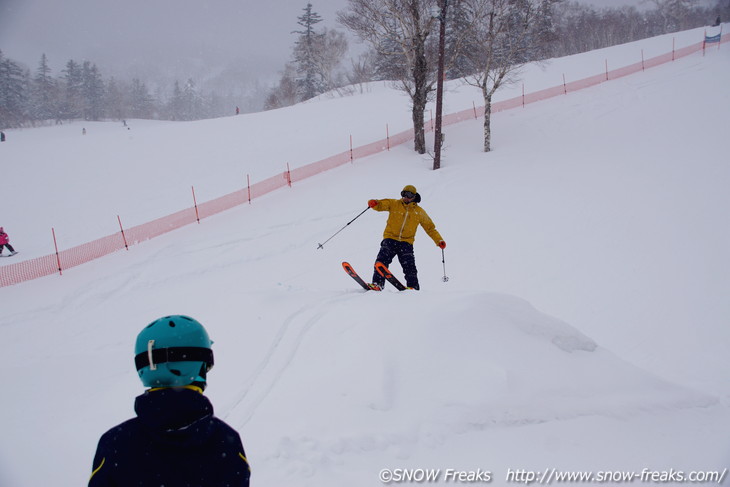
80	254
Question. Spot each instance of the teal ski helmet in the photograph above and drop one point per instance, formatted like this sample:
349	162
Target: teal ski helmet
173	351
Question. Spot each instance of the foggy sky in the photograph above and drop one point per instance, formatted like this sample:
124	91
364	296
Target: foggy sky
140	34
164	38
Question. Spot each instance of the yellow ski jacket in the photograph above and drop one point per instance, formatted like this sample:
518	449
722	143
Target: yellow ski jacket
404	219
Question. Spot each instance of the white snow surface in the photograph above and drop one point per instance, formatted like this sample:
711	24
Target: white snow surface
584	325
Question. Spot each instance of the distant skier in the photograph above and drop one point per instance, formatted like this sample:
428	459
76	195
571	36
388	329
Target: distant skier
175	439
238	111
400	233
5	242
2	136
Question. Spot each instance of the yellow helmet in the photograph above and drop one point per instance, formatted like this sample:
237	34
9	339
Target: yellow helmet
409	191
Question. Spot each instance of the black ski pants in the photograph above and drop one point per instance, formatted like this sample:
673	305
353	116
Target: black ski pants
390	248
10	247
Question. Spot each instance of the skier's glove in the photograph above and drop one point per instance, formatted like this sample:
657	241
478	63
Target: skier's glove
442	244
372	203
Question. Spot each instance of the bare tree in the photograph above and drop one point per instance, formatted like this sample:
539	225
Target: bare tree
331	51
401	30
674	13
362	70
286	93
504	35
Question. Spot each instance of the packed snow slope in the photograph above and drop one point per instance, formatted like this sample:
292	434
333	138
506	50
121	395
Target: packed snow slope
584	325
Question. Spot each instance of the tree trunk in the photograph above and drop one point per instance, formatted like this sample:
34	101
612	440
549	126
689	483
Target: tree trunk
487	123
419	107
420	96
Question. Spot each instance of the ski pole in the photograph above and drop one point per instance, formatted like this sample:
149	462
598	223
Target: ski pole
321	246
443	261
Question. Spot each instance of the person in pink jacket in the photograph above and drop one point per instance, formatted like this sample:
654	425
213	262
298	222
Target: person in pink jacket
5	242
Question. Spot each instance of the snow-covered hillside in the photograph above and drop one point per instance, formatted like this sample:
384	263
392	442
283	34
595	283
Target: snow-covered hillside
584	325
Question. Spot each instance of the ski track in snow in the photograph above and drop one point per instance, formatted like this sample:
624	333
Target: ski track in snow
277	359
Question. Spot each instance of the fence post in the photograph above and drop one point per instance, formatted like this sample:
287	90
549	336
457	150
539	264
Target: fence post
704	41
387	136
58	258
720	41
565	87
673	48
523	95
124	238
195	203
474	106
352	157
288	175
248	182
606	69
642	60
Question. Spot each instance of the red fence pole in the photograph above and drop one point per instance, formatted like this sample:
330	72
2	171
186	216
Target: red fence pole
55	244
248	182
288	175
720	41
197	216
122	229
523	95
704	41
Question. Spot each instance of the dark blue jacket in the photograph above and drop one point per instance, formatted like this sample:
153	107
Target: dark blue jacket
174	441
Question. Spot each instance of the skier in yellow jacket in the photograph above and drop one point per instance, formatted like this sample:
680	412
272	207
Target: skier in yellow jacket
400	232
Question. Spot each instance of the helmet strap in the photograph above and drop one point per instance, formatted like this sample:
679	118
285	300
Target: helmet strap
153	357
150	358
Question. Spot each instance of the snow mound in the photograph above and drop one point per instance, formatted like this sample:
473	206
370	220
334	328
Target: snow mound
405	369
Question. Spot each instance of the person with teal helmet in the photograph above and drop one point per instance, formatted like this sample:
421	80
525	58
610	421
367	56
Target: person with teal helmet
175	438
174	351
